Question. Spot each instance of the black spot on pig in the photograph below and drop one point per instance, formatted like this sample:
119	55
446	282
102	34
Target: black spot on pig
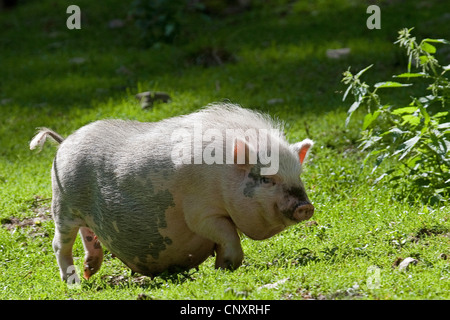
162	201
298	193
138	226
255	176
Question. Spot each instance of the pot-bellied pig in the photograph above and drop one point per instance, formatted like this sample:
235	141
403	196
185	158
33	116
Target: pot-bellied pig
169	194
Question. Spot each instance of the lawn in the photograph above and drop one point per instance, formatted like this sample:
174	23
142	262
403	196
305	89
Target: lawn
271	57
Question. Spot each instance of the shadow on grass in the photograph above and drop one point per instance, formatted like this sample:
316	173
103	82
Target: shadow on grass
285	54
140	281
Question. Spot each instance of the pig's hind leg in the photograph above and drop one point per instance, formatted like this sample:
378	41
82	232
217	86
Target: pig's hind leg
67	224
94	252
62	244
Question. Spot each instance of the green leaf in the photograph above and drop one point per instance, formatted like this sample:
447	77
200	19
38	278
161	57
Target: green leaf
411	119
362	71
409	63
407	146
347	91
426	100
427	47
391	84
439	115
425	115
379	160
404	110
379	178
369	118
439	146
423	60
445	125
396	132
369	142
410	75
443	41
352	109
412	162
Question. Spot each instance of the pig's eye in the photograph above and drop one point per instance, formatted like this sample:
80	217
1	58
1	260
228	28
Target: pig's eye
266	180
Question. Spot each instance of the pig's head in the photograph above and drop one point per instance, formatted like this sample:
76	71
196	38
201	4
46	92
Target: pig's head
266	201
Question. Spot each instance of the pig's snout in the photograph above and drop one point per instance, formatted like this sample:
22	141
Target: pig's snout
303	211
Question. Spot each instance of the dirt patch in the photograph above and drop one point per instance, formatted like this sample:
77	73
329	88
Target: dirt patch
428	232
306	295
396	262
117	280
41	208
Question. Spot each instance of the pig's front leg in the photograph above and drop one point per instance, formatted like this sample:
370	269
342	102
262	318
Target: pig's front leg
228	248
228	257
219	228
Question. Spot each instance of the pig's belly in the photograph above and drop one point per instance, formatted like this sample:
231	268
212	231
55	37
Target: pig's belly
150	245
176	257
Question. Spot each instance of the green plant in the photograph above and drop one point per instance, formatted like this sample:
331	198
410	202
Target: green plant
415	137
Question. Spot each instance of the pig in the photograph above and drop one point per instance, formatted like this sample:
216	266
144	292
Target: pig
121	185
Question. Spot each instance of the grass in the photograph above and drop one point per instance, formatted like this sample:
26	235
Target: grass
279	53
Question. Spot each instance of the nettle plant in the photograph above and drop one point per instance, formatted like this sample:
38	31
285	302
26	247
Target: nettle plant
416	137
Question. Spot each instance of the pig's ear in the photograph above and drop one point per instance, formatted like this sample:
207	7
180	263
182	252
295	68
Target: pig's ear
243	153
302	148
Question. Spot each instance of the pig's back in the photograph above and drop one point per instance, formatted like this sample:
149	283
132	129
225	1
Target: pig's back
112	156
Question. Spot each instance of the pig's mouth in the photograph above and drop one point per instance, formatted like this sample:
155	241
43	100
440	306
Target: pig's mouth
302	211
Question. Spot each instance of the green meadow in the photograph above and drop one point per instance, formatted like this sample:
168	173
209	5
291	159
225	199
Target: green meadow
271	57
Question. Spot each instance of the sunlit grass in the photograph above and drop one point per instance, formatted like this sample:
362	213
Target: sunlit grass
357	225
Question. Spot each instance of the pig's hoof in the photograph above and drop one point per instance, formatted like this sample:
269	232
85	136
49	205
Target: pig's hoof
90	268
88	272
227	265
231	266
